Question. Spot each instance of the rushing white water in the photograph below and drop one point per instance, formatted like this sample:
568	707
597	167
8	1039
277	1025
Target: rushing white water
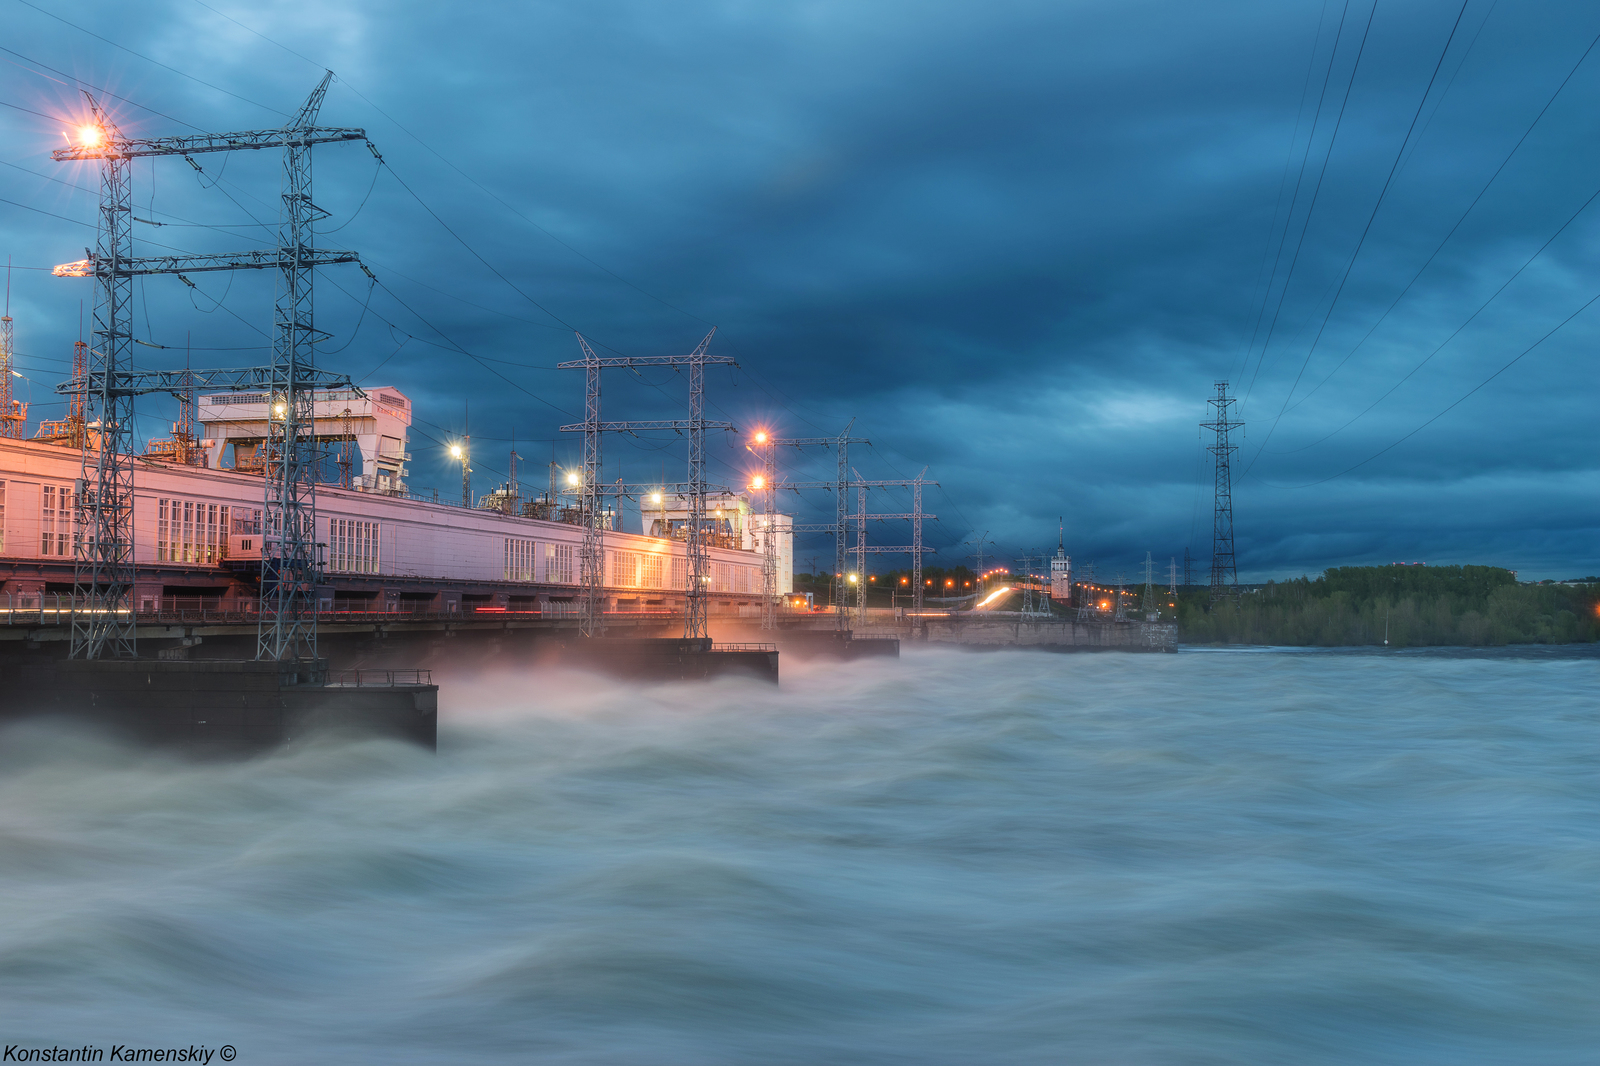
1280	857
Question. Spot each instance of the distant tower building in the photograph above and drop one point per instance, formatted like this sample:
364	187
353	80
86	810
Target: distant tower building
1061	572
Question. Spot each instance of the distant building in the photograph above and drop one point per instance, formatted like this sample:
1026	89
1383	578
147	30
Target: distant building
1061	577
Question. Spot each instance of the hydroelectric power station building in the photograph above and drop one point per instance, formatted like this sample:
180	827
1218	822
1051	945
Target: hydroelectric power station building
197	526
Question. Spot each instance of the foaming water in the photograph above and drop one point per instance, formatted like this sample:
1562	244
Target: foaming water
952	858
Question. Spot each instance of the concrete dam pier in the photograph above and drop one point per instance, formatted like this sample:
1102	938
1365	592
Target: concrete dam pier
225	706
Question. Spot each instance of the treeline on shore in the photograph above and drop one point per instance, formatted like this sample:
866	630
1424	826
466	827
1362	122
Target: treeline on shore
1420	606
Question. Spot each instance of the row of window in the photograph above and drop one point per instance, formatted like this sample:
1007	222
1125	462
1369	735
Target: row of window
352	546
57	521
528	560
190	532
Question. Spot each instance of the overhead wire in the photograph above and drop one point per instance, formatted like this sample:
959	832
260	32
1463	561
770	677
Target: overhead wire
1366	230
1316	193
1470	318
1453	405
147	59
1459	221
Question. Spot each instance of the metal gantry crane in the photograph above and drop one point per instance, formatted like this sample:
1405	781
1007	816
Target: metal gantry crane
13	413
593	551
103	577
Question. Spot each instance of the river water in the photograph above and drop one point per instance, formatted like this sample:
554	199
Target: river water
1212	857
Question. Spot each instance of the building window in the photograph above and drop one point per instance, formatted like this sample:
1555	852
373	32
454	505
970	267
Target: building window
2	517
190	532
626	569
353	546
680	574
55	521
558	564
519	559
653	571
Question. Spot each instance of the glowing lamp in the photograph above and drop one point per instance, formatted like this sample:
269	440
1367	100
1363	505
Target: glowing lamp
655	497
761	438
90	136
573	479
455	451
758	482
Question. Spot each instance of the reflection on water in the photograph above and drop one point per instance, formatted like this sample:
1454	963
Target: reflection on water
1005	858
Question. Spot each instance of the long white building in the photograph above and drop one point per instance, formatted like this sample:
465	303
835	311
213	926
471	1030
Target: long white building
197	530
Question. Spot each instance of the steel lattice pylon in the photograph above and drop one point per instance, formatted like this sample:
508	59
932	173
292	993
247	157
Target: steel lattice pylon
769	536
1224	565
861	551
290	569
840	528
104	571
103	626
694	623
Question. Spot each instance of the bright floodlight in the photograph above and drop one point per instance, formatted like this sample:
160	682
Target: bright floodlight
761	438
758	482
278	410
89	136
455	451
572	479
655	497
852	579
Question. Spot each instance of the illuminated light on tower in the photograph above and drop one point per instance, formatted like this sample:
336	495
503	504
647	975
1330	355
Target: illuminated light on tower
1224	564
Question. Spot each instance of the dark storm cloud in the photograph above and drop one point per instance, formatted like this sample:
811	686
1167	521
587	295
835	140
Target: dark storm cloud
1016	242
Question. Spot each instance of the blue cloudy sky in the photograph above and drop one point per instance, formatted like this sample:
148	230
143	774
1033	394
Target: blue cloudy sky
1016	242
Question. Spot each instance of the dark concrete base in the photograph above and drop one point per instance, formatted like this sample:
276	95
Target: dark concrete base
833	644
821	644
223	705
668	658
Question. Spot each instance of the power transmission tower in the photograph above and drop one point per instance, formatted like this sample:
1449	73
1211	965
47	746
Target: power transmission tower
840	526
1121	592
347	450
841	505
1147	602
977	554
916	548
593	551
1172	576
1224	566
861	551
1188	568
1086	603
769	541
103	579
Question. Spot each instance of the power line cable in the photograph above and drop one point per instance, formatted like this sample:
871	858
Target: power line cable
1458	402
1388	182
1470	207
1481	307
147	59
1315	195
74	80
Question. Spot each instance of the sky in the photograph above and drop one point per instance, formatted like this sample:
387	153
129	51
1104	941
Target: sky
1015	243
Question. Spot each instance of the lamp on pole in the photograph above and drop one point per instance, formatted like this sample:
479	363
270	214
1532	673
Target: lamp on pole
463	452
